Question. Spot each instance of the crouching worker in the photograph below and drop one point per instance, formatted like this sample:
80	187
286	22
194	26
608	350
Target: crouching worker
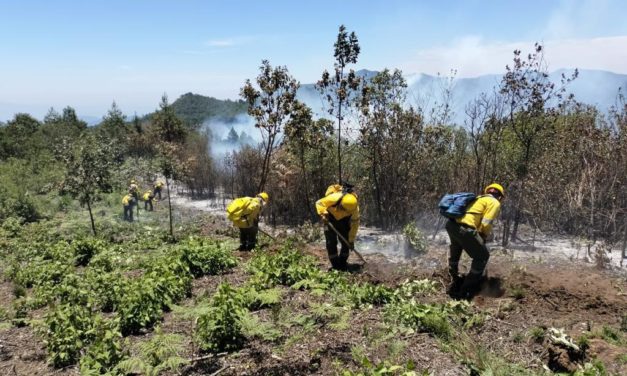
469	233
244	213
127	204
339	211
148	197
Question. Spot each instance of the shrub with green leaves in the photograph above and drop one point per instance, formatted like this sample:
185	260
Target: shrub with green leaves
364	294
429	318
205	257
140	306
85	249
161	353
68	332
415	238
105	351
220	328
284	268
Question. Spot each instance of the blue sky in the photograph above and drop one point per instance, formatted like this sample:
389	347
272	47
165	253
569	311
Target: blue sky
87	54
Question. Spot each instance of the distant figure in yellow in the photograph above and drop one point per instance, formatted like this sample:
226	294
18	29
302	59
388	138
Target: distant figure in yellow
127	204
244	213
339	210
148	199
133	190
157	189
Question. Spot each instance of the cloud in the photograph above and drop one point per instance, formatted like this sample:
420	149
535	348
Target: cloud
472	56
576	18
220	43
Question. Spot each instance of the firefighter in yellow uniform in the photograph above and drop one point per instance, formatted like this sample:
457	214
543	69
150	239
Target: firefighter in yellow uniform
127	204
157	189
339	208
469	233
148	198
244	213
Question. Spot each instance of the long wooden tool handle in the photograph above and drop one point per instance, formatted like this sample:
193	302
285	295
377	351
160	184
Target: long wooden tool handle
342	238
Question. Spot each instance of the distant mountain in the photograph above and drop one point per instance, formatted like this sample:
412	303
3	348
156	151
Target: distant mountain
594	87
194	109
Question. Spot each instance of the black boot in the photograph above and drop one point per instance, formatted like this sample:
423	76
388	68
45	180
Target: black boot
471	286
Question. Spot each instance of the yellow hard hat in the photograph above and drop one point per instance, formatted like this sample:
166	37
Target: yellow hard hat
349	202
496	186
264	196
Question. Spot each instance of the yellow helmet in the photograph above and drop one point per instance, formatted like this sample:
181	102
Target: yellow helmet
264	196
496	186
349	202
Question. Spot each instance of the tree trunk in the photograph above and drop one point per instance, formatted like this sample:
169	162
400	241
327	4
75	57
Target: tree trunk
339	143
167	183
306	186
91	217
625	242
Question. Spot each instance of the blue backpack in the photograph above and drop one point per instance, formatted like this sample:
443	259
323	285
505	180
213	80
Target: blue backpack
453	205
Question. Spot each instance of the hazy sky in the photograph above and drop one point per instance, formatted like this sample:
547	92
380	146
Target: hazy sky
88	53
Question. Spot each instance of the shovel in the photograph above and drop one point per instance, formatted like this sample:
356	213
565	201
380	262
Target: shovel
266	234
343	239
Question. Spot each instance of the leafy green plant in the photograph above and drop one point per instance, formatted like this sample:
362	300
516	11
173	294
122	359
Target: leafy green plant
69	329
415	238
435	319
220	329
386	367
288	267
255	299
85	249
537	333
517	292
253	327
611	335
161	353
205	257
20	315
106	349
365	294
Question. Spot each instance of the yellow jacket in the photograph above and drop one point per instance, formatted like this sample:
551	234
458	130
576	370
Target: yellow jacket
244	211
481	214
329	205
127	200
148	196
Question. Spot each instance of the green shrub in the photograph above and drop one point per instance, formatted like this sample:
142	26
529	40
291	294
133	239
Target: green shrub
415	238
105	351
365	294
220	329
434	319
287	268
68	332
12	226
85	249
160	354
107	288
204	257
140	306
537	333
254	299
